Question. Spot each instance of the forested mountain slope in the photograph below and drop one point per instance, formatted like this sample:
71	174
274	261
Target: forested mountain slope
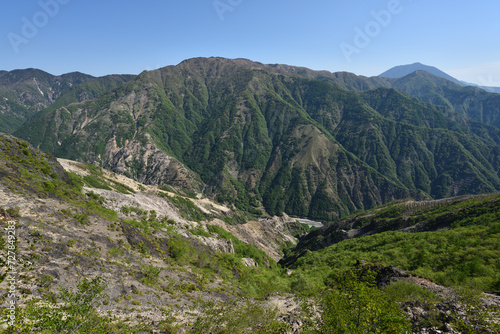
275	137
24	93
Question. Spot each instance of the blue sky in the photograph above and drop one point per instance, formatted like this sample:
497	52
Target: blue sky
365	37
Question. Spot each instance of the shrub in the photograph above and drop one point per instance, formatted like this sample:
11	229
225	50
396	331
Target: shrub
355	305
78	314
151	274
231	317
475	317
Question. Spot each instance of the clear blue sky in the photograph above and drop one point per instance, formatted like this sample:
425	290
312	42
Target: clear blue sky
129	36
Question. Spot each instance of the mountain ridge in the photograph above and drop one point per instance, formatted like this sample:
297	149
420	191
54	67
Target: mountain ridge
24	93
404	70
167	258
266	140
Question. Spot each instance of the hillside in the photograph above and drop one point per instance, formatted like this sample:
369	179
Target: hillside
24	93
267	138
472	102
154	252
125	257
452	241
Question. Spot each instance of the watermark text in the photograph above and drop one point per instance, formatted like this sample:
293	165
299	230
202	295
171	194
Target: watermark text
365	35
224	6
11	256
31	26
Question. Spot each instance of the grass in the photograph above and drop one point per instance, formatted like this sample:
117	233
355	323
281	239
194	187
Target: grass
241	249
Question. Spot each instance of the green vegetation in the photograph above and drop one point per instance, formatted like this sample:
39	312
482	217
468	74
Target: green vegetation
188	209
458	243
259	139
241	249
44	316
249	317
96	179
355	305
78	313
151	274
477	319
249	282
485	106
200	231
27	171
70	88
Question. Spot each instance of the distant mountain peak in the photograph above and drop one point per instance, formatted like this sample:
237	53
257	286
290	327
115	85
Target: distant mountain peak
404	70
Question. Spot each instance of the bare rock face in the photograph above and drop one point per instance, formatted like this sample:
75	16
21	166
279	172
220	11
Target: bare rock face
219	245
147	201
149	165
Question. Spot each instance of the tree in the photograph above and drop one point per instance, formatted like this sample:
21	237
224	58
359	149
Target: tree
355	305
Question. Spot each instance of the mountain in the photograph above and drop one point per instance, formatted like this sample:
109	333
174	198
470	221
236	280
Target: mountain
432	85
491	89
233	124
404	70
424	83
473	102
486	88
23	93
275	138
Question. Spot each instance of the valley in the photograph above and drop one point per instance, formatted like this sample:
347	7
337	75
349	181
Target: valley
275	138
167	202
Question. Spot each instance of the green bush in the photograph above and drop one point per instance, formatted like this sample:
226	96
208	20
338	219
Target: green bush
200	231
478	318
77	315
187	208
403	292
151	274
95	182
463	256
232	318
353	304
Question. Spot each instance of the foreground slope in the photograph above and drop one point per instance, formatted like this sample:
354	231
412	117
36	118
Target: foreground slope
120	256
154	250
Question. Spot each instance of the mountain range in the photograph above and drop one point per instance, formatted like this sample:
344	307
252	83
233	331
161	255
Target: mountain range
123	257
186	230
23	93
279	138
